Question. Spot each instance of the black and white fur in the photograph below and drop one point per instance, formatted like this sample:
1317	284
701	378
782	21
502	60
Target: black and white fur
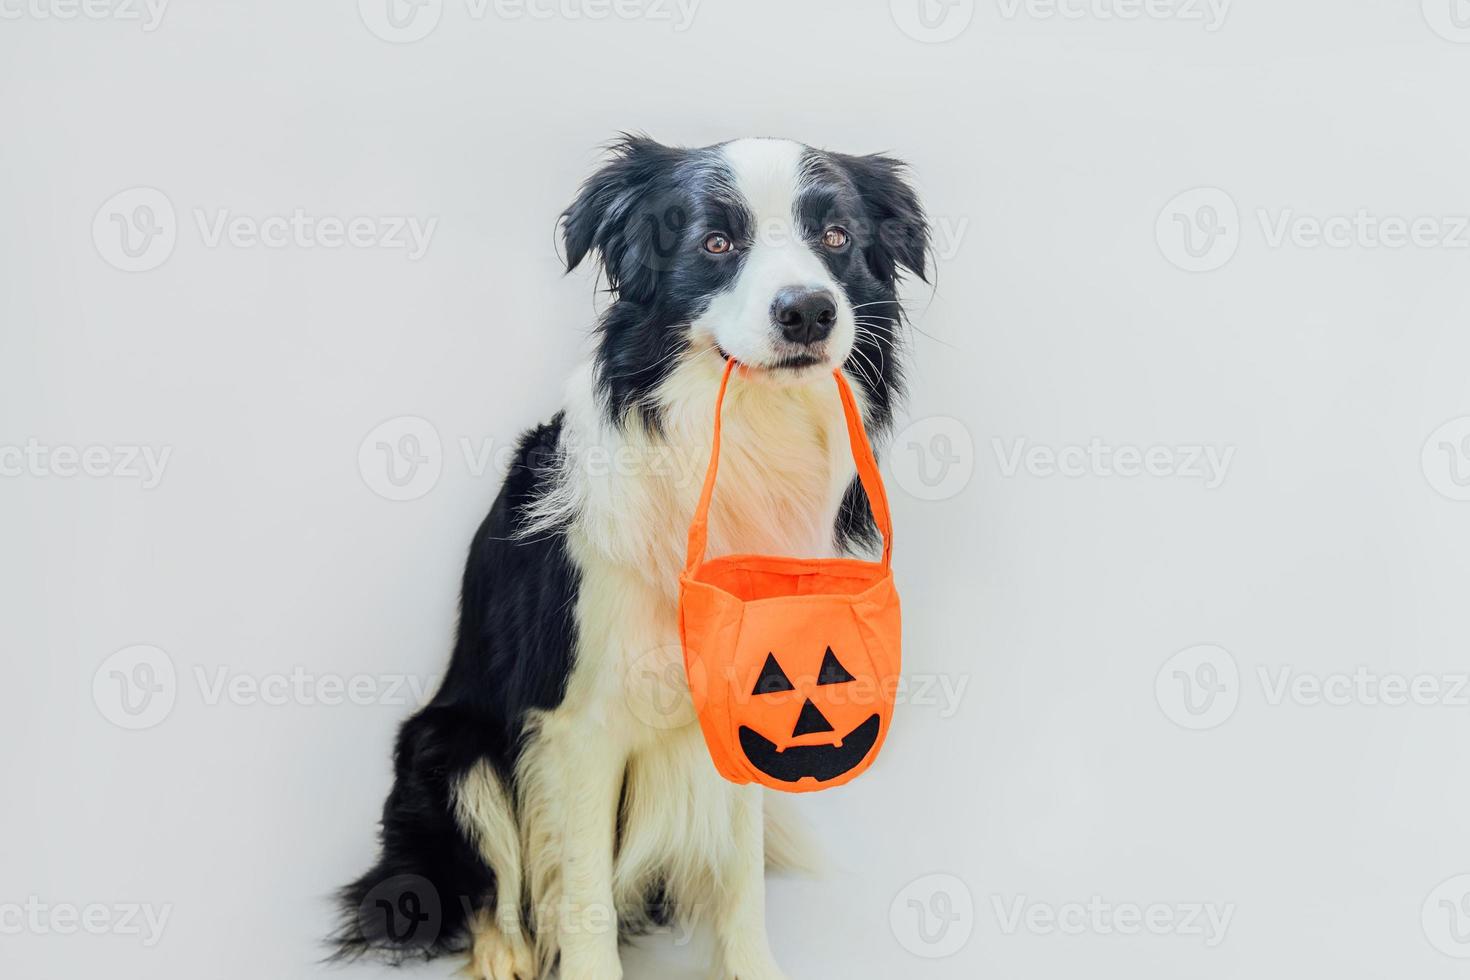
549	799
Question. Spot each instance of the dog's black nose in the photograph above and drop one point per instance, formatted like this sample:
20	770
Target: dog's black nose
805	316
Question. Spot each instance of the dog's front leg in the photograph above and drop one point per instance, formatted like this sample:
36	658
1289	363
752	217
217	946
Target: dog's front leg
740	925
592	765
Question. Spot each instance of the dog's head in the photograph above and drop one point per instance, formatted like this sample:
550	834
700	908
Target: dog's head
781	256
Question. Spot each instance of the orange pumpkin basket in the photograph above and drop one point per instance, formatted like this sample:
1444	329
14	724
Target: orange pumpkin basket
793	663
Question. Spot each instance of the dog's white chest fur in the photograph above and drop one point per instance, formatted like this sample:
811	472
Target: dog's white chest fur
784	466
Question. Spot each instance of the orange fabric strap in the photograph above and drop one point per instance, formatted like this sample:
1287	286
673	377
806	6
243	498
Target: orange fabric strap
862	454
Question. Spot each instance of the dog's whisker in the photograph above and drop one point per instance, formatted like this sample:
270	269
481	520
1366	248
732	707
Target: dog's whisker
872	379
876	347
857	358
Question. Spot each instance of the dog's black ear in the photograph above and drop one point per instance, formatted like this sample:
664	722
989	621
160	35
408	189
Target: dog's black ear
900	233
620	213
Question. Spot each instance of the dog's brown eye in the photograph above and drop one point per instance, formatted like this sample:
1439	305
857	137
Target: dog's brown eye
835	237
718	244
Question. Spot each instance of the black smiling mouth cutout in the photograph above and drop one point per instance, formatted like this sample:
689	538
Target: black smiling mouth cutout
821	762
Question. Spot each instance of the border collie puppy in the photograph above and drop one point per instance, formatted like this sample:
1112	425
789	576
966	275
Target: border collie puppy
556	793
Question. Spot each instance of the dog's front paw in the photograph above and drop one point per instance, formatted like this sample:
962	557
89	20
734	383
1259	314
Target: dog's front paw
499	956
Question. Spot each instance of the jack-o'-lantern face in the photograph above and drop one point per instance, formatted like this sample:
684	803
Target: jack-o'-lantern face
818	726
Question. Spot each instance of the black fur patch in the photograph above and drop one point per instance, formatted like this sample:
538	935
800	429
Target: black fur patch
646	214
513	654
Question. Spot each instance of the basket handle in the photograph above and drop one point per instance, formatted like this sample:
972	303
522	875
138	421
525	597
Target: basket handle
862	454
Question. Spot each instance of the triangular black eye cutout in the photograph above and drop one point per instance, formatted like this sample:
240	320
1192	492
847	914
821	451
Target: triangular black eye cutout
772	679
811	721
833	672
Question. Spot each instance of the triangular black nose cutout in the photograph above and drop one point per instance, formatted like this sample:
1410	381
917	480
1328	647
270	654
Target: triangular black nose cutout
772	679
833	672
811	721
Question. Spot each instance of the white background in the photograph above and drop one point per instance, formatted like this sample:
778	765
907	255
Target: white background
1050	150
